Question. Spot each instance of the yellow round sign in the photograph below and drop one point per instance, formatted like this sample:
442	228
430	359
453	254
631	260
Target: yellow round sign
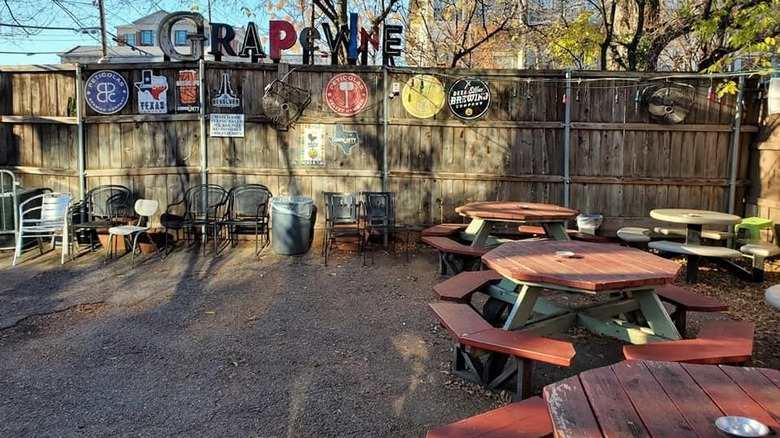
423	96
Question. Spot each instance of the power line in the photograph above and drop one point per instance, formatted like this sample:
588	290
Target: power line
30	53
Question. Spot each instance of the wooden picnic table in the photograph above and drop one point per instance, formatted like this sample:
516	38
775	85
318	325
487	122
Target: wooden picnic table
661	399
623	280
484	215
692	248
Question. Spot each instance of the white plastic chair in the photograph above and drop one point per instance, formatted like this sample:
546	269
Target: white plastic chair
144	208
44	215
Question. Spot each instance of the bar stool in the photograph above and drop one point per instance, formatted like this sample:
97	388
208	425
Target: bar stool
753	226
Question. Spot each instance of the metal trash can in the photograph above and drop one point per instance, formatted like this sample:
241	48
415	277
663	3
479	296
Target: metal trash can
292	223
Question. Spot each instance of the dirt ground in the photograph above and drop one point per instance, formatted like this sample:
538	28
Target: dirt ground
275	346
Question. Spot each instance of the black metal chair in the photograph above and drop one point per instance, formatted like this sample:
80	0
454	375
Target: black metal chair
103	207
202	206
248	213
380	221
342	222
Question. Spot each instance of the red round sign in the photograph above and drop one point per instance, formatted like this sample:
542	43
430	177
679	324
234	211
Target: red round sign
346	94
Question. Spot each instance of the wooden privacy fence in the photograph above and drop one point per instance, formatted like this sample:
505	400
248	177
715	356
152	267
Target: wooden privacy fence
582	139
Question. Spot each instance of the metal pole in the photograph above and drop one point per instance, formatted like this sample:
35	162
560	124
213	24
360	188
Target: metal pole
385	110
202	117
735	137
102	10
566	133
80	134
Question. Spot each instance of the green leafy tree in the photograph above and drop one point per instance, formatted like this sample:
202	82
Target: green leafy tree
645	35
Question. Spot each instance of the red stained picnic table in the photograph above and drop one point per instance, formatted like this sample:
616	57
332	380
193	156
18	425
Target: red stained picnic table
487	213
622	281
661	399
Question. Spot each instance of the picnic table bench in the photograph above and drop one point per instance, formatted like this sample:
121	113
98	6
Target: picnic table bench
491	356
461	286
718	342
686	300
455	257
522	419
573	234
444	230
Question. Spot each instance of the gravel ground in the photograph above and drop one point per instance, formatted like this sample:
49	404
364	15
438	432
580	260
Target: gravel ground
275	346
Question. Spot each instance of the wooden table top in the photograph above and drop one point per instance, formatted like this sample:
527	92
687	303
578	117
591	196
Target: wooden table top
661	399
517	211
594	266
694	217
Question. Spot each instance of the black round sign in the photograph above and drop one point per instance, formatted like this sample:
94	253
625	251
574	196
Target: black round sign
469	98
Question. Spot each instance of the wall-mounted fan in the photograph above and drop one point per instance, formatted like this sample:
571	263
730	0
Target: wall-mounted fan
284	103
669	102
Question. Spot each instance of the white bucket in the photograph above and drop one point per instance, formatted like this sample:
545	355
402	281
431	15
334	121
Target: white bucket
588	223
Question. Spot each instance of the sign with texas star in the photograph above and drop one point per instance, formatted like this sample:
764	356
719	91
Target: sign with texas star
152	93
346	140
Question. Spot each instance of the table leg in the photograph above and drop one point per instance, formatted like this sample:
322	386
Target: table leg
656	315
523	307
693	235
480	229
692	269
556	230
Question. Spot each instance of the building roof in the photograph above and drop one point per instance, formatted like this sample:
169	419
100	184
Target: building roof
154	18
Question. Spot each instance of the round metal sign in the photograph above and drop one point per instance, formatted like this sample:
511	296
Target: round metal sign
346	94
469	98
423	96
106	92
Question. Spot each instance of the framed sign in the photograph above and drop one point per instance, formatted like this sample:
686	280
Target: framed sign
226	125
106	92
469	99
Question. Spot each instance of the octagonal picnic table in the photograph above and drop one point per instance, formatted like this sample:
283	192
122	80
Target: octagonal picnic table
622	282
661	399
484	215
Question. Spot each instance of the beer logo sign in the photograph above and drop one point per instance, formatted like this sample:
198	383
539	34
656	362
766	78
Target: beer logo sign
346	94
469	98
106	92
423	96
188	90
226	97
152	93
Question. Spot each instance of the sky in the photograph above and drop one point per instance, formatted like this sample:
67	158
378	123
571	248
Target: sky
83	14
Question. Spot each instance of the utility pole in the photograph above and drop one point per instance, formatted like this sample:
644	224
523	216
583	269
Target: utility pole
102	28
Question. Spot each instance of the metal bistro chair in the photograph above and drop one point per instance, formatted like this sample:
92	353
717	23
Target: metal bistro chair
104	206
44	215
144	209
380	220
342	222
200	207
248	213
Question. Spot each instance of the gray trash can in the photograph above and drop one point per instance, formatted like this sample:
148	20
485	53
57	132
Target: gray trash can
292	221
588	223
